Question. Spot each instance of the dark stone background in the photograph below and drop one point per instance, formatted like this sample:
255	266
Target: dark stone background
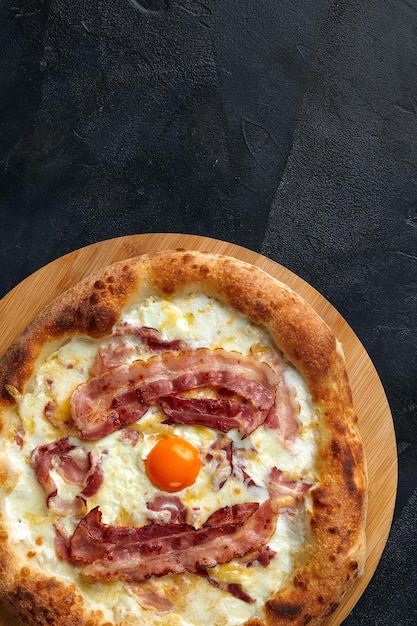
288	127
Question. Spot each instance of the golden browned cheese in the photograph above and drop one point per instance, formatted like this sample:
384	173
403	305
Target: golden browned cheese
335	557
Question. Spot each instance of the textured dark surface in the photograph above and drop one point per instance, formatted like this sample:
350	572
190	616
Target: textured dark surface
288	127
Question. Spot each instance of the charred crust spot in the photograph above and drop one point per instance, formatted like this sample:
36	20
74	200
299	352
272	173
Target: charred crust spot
299	582
336	423
203	269
95	320
99	284
65	320
187	258
43	604
262	310
332	608
94	298
110	279
13	368
19	355
348	467
332	530
6	397
284	610
321	498
353	565
335	448
168	288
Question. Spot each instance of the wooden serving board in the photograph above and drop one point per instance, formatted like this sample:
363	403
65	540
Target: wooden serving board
19	307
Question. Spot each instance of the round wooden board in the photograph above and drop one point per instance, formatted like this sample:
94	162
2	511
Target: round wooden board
19	307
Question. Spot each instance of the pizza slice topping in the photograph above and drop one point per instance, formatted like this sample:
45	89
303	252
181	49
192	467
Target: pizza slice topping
220	450
75	465
168	544
249	392
166	508
134	554
116	351
288	493
284	415
220	413
151	337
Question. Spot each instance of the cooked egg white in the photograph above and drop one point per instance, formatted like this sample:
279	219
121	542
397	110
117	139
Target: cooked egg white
202	322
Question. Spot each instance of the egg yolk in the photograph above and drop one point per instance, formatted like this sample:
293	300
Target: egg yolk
172	464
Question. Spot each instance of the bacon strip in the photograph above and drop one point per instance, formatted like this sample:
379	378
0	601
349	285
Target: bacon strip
283	416
287	493
134	554
239	464
221	450
151	337
117	351
167	509
150	598
264	557
121	396
75	465
235	589
213	412
63	542
19	437
128	435
93	481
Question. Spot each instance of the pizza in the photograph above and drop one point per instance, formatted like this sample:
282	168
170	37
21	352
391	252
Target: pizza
178	447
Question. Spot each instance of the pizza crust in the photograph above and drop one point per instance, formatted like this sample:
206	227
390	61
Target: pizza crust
337	525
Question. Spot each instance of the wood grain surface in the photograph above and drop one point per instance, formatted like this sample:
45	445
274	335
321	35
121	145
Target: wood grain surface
375	422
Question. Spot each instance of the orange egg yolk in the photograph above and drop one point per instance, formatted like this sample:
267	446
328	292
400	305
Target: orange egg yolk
173	464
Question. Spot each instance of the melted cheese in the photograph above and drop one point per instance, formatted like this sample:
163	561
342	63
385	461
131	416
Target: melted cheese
202	322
